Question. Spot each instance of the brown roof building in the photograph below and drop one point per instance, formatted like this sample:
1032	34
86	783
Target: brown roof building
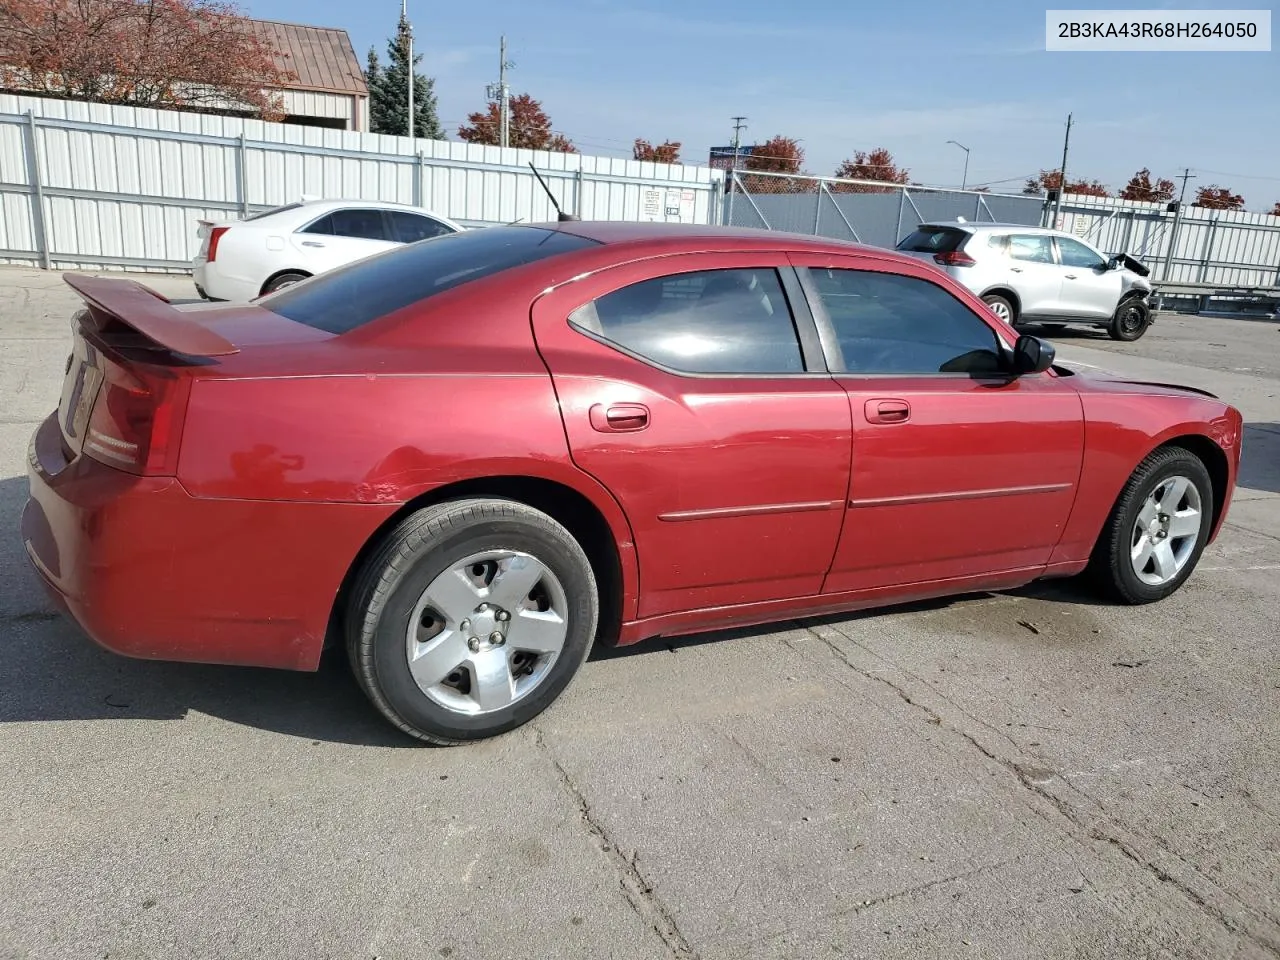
329	90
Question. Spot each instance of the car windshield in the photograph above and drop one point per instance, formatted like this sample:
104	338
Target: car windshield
359	293
932	240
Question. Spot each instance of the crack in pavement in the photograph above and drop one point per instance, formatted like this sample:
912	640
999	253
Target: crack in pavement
1078	826
637	890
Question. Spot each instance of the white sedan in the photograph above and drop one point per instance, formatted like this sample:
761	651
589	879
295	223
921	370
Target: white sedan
243	259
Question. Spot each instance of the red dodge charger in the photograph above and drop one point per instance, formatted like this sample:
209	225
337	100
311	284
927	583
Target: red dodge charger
469	458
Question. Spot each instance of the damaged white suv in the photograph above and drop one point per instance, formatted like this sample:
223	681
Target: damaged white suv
1034	275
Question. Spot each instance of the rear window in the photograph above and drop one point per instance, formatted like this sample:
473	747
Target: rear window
933	240
272	212
359	293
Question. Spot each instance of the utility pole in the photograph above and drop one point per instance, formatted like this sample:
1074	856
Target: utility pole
404	15
501	93
1186	175
1062	183
737	138
738	124
1177	222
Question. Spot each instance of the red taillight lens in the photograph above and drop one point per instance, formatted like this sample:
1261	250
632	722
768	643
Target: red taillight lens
955	258
214	236
136	424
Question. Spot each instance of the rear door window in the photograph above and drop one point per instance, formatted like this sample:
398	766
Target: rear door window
351	296
359	224
1031	247
412	227
709	322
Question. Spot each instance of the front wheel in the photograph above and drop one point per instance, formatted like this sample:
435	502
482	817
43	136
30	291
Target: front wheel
1158	528
471	619
1131	320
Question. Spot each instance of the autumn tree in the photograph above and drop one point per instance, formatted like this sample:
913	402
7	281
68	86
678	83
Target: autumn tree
1275	211
778	155
666	152
1214	197
389	91
199	54
876	165
1050	180
529	127
1140	187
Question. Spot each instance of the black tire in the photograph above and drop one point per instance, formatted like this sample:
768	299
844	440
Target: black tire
1110	564
283	280
421	547
1131	320
999	303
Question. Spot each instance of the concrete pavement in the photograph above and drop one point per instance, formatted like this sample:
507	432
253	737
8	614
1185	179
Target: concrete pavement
1011	775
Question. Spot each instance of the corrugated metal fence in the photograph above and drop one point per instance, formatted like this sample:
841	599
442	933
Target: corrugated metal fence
1226	248
91	185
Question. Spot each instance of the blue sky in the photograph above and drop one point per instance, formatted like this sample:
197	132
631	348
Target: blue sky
843	76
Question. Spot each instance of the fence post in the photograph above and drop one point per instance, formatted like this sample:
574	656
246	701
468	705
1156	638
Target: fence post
1173	239
817	213
1208	248
733	191
38	226
242	175
902	201
577	193
419	168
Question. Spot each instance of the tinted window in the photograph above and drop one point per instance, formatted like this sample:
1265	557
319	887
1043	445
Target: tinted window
410	227
1076	254
358	293
323	225
360	224
890	324
933	240
1034	247
715	321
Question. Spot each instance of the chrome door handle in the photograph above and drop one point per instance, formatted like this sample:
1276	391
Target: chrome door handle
312	243
619	417
1016	269
1071	276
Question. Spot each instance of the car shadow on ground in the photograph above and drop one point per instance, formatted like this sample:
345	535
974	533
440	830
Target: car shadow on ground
52	671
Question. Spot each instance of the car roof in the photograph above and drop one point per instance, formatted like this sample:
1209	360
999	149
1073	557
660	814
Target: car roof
300	211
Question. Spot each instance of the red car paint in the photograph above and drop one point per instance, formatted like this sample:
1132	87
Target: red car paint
728	500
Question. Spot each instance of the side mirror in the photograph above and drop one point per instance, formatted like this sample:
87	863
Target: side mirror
1032	355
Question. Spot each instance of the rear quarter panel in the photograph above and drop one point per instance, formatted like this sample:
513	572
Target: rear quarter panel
1123	424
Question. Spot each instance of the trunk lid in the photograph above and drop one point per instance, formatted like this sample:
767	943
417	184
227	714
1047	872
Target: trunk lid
134	356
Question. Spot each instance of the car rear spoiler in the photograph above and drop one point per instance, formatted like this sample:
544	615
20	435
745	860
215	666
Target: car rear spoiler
1131	264
150	314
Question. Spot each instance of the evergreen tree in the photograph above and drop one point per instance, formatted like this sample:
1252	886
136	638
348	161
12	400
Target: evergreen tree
389	91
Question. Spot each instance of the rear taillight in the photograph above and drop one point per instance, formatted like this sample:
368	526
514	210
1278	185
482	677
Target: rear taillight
214	236
955	258
136	423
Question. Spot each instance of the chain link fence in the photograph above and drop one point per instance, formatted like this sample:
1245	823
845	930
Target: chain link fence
865	211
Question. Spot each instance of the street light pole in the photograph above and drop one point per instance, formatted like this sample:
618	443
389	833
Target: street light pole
964	178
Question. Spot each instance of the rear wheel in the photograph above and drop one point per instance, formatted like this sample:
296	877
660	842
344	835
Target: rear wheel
283	280
1158	528
471	619
1131	320
1001	307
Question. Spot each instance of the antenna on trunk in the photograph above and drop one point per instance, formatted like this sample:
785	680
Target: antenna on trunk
560	214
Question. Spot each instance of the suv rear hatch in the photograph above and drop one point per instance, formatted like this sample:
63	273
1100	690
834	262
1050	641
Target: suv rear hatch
937	243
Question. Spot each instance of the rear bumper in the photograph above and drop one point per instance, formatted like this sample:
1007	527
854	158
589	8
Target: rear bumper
213	284
149	571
